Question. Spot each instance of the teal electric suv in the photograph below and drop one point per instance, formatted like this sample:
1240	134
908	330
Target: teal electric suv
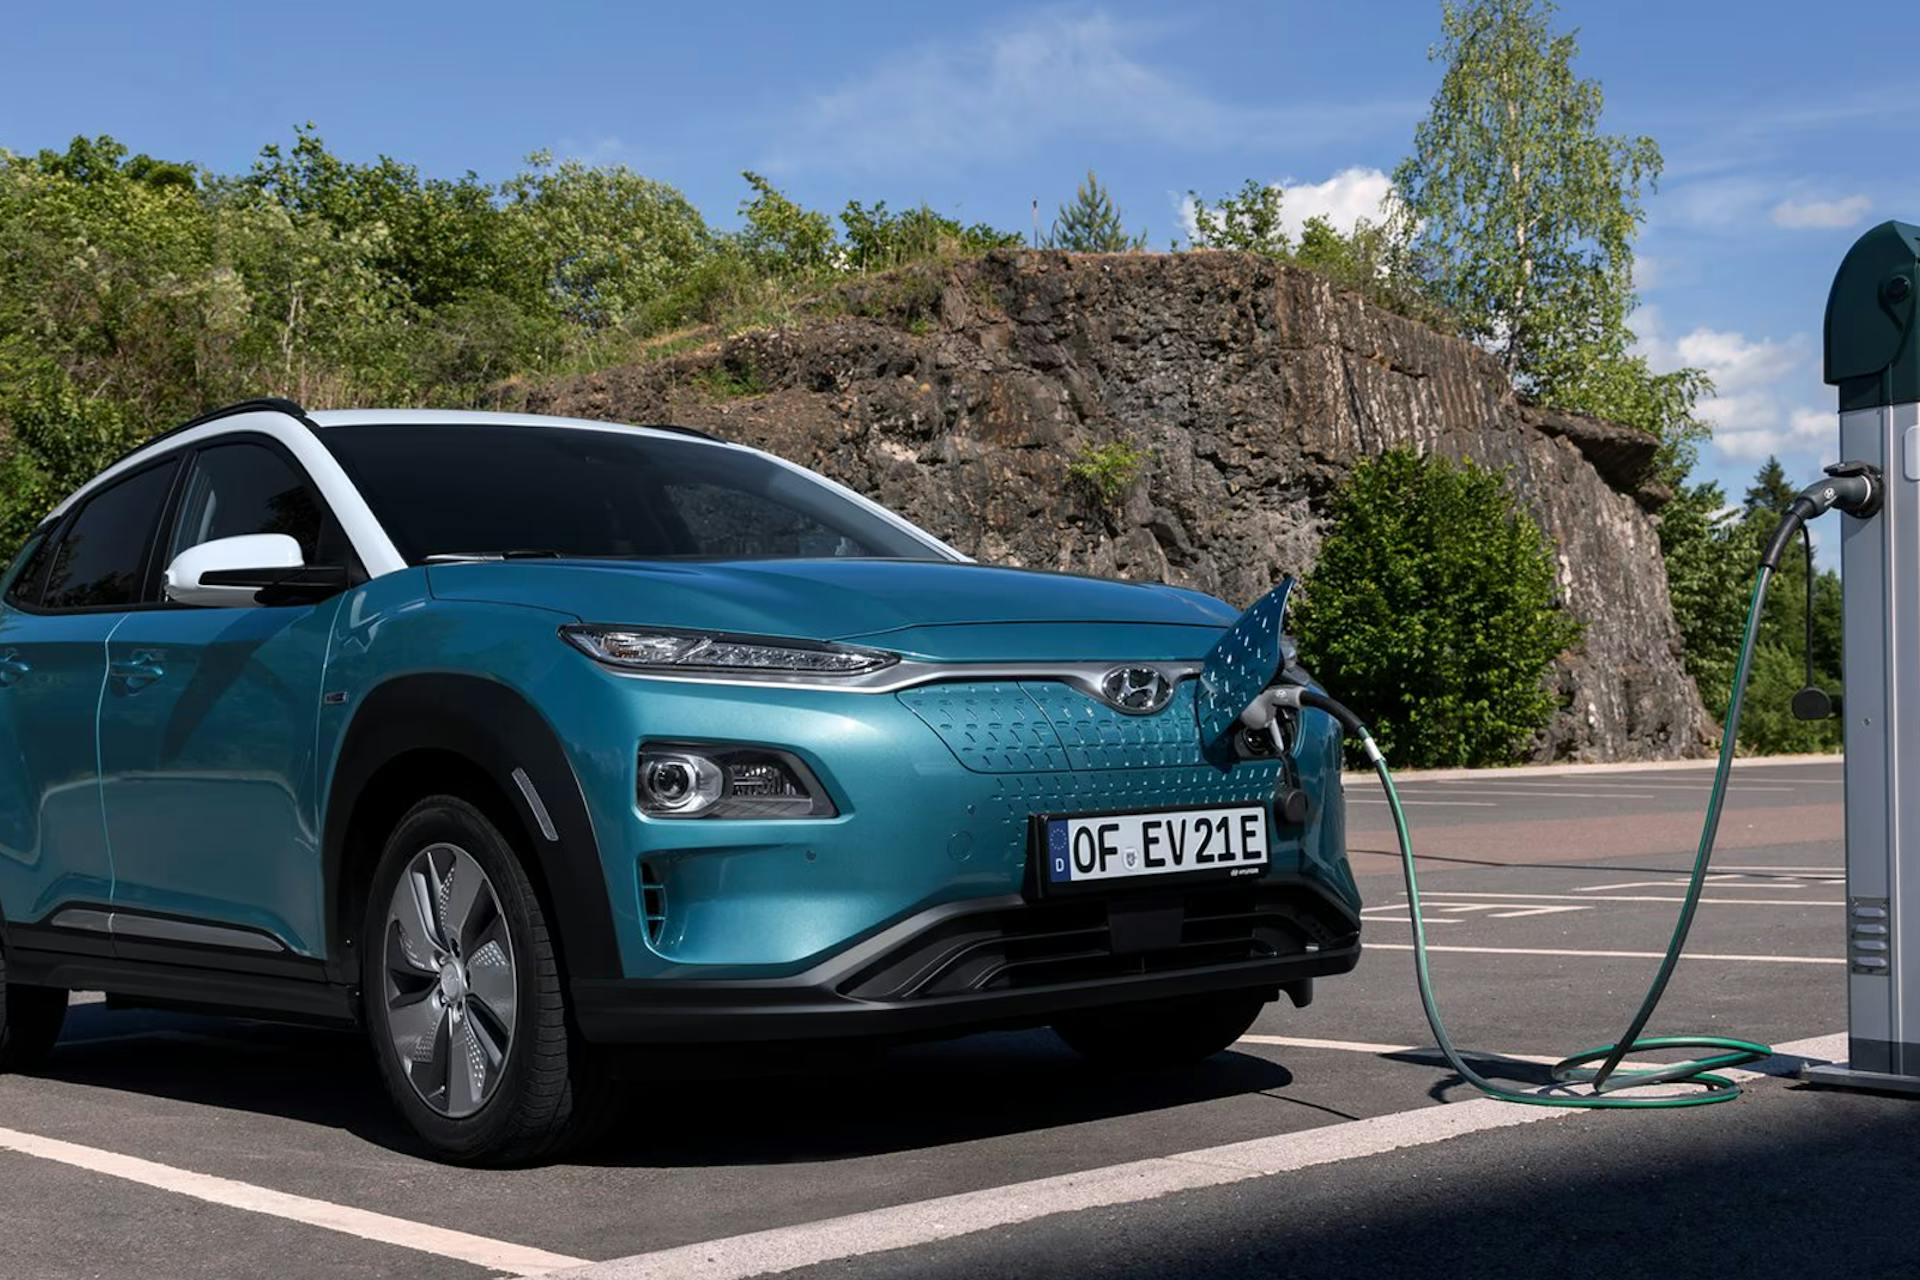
517	741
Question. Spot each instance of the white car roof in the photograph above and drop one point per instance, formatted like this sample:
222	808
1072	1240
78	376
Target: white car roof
328	418
281	420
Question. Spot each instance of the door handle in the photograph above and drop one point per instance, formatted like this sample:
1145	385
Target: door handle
139	668
12	667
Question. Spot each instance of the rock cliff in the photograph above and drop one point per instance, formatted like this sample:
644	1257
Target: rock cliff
961	394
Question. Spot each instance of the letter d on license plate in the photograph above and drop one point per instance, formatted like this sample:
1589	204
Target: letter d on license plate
1128	846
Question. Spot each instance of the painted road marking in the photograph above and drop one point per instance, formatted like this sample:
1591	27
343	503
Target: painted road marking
1720	880
1497	910
1609	955
928	1222
1453	804
931	1221
1559	795
1400	914
495	1255
1634	897
1638	784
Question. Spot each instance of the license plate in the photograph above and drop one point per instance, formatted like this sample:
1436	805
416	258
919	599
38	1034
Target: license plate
1133	846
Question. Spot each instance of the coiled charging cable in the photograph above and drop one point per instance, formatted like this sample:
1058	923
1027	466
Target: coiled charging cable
1856	491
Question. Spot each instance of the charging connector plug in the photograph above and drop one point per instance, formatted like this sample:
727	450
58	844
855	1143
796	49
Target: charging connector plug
1853	487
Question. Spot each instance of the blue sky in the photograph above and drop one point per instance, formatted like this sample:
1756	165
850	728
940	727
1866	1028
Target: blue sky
1784	138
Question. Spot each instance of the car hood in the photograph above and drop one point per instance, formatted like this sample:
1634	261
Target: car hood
938	609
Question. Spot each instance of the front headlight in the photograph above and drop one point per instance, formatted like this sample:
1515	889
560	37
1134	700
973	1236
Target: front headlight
666	650
725	780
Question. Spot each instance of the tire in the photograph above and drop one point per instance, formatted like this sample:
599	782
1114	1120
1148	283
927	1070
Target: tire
30	1021
1171	1033
491	1073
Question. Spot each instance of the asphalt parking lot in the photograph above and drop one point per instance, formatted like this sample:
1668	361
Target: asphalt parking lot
1332	1141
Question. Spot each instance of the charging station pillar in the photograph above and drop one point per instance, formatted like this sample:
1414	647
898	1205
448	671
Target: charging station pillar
1873	358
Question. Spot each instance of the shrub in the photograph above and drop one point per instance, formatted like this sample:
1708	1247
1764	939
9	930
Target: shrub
1109	470
1767	723
1432	612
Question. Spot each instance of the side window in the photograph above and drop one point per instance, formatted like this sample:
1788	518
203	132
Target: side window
23	583
101	555
237	489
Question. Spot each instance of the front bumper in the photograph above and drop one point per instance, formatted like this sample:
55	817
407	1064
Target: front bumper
1002	962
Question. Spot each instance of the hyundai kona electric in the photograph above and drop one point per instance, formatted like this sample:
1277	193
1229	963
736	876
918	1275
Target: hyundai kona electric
528	745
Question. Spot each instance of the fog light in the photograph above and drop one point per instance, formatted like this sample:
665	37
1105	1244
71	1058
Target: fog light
697	780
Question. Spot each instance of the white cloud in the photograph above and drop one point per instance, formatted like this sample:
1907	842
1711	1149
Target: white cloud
1349	195
1823	215
1058	73
1762	389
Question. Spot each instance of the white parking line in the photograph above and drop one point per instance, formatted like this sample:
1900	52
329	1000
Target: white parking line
1608	955
495	1255
1452	804
928	1222
1634	897
1636	784
931	1221
1552	795
1719	880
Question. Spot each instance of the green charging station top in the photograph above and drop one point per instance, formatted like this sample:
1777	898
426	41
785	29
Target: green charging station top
1873	344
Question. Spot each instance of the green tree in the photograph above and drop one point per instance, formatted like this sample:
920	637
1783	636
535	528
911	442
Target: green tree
1526	214
1091	223
1770	493
1248	221
878	239
781	237
1433	610
1712	552
604	240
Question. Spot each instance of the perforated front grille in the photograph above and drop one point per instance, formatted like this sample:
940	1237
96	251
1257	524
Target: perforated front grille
1042	726
1051	748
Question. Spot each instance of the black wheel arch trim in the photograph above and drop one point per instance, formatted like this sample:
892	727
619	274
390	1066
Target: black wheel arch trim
498	731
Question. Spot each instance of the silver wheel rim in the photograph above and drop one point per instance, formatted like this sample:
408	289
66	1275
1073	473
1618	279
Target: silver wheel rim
450	980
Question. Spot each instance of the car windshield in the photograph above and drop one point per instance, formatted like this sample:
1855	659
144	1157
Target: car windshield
531	491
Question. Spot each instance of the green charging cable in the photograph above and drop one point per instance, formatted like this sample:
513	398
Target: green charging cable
1579	1068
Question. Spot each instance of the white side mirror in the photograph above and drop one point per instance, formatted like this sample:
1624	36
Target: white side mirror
229	572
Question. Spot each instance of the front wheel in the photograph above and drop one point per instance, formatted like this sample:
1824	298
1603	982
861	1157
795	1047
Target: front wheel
463	993
30	1021
1167	1033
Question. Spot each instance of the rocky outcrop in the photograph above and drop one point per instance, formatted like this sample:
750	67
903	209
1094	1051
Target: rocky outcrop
961	395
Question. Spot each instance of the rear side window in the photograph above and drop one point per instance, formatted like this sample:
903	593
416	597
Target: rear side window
238	489
23	583
102	554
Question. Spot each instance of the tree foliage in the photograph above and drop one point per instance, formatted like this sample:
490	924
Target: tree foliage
1373	257
1712	552
135	291
1433	610
1526	213
1091	223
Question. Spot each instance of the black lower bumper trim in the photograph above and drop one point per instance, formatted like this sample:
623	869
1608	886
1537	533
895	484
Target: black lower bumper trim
998	964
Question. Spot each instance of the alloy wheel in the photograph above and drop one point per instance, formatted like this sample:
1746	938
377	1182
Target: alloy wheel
451	986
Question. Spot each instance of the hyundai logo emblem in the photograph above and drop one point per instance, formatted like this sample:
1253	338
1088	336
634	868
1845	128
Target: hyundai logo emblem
1138	691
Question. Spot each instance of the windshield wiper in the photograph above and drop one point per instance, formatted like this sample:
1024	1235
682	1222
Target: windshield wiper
482	557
